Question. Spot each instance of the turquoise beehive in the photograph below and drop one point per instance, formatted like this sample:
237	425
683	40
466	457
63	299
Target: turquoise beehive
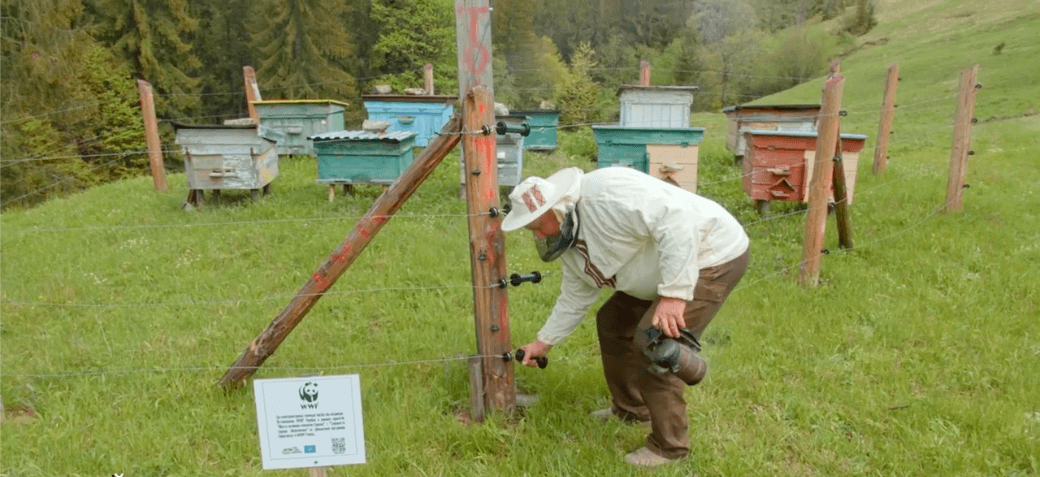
667	153
362	157
424	115
544	123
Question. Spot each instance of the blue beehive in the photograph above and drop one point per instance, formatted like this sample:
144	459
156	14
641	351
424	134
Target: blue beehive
544	123
670	154
362	157
423	115
300	119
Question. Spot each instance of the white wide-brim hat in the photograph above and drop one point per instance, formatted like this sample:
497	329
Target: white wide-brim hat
535	196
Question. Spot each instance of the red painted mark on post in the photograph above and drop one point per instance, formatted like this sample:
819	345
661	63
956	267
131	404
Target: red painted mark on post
320	281
476	55
342	255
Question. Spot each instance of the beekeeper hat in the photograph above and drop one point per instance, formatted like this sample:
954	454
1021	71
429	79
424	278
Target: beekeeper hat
534	196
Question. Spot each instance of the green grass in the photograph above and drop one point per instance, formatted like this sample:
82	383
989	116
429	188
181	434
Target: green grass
919	354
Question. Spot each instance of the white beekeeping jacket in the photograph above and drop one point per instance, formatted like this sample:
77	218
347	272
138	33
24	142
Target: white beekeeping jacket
641	236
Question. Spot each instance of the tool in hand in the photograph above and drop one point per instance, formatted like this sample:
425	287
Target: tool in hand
541	360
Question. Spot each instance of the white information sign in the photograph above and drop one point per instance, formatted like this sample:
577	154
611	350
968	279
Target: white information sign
310	422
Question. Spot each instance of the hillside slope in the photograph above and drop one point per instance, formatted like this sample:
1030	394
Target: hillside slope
918	354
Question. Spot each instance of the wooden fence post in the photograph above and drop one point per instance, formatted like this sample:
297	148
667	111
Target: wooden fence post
487	249
888	108
382	209
151	135
962	138
816	217
428	77
473	41
644	73
252	92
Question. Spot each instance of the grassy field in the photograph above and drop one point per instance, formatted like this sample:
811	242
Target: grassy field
919	354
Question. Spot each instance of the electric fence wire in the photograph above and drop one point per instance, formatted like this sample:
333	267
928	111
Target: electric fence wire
55	184
138	371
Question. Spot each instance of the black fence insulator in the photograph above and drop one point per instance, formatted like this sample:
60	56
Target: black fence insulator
516	279
523	129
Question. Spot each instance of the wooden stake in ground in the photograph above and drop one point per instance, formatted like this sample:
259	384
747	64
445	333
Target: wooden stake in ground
888	108
252	92
644	73
487	249
151	135
428	77
816	218
841	199
962	138
384	207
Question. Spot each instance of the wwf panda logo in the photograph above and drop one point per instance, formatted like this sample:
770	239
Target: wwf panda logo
309	392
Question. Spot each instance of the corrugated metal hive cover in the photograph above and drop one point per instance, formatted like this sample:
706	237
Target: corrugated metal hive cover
392	136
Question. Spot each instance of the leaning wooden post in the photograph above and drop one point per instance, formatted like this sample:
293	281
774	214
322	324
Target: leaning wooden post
888	108
487	248
816	218
151	135
644	73
962	138
252	92
841	200
384	207
428	77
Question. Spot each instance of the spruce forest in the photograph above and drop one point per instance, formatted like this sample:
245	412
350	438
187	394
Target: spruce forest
70	107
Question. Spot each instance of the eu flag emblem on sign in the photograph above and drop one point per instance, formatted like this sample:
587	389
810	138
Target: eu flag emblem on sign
310	449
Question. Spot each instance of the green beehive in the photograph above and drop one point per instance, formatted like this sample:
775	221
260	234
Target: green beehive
670	154
362	157
299	119
544	123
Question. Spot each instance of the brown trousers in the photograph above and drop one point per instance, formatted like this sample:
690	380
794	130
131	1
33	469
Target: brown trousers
638	394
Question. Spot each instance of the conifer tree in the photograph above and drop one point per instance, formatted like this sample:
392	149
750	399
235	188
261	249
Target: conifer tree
302	46
151	36
411	34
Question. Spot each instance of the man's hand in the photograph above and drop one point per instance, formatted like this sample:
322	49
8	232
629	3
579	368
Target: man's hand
668	317
532	350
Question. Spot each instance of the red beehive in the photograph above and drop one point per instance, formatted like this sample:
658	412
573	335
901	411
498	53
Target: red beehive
778	164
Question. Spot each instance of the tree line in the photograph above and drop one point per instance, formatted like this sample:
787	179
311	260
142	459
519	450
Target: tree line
69	110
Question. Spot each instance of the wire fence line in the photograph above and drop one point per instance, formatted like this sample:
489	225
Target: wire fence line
195	369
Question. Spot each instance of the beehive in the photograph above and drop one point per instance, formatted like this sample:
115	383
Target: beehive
670	154
222	157
656	106
299	119
423	115
780	117
544	123
362	157
778	164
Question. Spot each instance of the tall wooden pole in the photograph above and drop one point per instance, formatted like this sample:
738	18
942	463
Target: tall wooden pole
888	108
252	92
816	218
364	230
480	175
428	77
644	73
151	135
487	250
473	39
962	138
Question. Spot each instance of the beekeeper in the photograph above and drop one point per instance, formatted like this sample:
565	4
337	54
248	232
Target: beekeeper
671	258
